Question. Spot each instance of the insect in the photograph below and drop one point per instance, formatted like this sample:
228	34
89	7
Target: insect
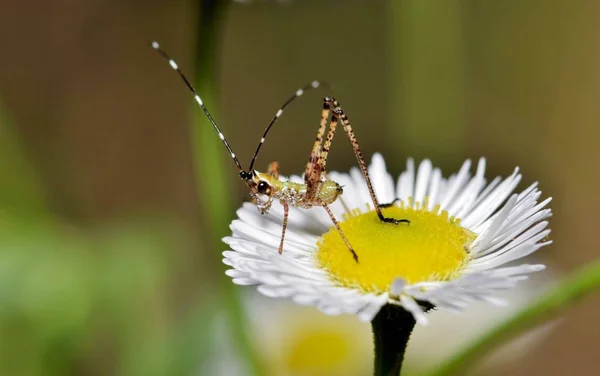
318	189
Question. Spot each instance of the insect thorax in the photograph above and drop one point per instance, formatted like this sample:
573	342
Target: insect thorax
292	193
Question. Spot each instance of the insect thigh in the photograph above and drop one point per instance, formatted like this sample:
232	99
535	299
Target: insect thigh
338	113
312	173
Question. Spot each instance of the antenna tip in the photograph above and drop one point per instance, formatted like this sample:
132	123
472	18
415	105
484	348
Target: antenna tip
155	45
315	84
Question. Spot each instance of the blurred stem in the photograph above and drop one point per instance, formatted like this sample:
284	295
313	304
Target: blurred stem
577	286
23	196
391	330
212	174
428	70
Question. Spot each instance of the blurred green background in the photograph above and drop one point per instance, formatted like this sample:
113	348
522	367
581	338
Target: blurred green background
114	193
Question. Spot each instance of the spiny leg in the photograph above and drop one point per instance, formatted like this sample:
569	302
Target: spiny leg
312	173
337	226
322	162
389	204
286	212
338	112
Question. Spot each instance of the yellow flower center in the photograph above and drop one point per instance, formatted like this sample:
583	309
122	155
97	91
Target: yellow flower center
433	247
311	344
334	346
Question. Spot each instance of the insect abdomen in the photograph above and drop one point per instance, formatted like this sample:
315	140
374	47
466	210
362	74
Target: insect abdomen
329	192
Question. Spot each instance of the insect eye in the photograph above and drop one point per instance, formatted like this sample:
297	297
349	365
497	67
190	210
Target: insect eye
262	187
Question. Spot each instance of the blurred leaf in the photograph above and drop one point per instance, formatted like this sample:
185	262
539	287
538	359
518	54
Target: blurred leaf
580	284
44	300
75	298
20	188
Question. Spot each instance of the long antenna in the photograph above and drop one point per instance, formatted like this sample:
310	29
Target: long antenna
299	92
175	67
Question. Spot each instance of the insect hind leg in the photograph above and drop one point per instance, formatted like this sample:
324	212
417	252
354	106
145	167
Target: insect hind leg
338	113
312	173
337	226
389	205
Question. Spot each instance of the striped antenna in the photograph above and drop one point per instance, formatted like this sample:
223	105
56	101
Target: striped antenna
243	174
297	94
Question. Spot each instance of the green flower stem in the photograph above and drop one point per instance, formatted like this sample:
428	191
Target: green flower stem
391	330
577	286
212	174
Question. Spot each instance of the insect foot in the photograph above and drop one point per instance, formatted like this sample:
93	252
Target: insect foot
393	220
389	204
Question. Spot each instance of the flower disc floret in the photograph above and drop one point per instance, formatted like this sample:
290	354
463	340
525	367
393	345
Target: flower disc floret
433	247
436	260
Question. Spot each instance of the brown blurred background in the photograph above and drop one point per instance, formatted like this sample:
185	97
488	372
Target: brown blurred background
105	122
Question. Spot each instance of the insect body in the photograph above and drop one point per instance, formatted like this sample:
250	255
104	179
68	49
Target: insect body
317	189
294	194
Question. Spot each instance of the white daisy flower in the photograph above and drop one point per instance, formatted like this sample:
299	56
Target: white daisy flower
463	234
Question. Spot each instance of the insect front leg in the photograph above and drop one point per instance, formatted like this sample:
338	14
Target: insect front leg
262	206
339	113
286	212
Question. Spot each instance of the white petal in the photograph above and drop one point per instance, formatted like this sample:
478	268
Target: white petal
423	177
435	187
508	227
397	286
491	202
413	307
457	183
382	181
406	181
466	199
